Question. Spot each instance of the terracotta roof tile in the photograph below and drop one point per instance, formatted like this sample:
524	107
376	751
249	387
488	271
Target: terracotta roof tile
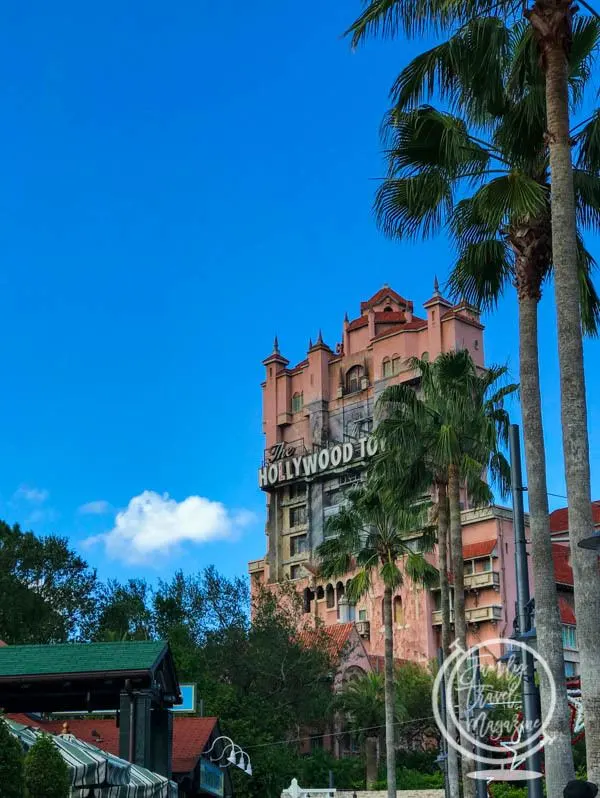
190	736
415	324
381	295
356	324
385	317
338	635
483	548
559	519
566	612
563	572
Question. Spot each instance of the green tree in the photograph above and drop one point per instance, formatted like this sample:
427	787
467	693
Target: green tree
457	424
370	537
11	764
363	702
47	592
501	230
124	612
552	22
46	772
414	685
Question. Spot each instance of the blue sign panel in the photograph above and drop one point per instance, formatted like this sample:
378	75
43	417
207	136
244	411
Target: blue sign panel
212	778
188	694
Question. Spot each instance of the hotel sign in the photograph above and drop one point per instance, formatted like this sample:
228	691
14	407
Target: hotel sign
284	466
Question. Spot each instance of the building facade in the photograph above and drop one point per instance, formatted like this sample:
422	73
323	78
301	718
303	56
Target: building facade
318	417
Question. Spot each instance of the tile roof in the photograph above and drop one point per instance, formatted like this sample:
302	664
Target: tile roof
386	316
79	658
415	324
566	612
190	735
559	519
356	324
563	573
483	548
337	637
384	292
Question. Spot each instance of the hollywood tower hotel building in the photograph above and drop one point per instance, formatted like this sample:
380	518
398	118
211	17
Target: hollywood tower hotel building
317	420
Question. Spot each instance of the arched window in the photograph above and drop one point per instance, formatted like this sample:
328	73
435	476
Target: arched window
307	597
297	402
330	597
386	367
353	378
388	309
320	593
339	591
425	356
395	364
398	611
352	673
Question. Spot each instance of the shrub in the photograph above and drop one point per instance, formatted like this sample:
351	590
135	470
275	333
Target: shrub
409	779
501	789
46	772
11	764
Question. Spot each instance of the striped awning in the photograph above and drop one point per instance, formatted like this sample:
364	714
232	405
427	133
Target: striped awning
88	766
97	774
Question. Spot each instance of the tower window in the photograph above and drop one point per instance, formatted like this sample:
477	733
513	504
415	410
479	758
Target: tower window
299	545
295	572
297	402
353	378
387	367
398	611
395	364
388	309
297	516
330	596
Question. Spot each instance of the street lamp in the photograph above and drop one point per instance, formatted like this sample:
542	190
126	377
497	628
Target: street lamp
236	755
592	543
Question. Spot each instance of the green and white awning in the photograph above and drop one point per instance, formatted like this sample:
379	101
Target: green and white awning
98	774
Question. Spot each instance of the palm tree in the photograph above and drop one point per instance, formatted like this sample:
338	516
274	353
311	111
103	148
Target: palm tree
363	702
498	247
369	537
553	24
454	426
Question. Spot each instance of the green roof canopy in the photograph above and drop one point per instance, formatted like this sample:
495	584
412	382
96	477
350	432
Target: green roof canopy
72	658
85	676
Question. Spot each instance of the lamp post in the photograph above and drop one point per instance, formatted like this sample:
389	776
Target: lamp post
235	757
531	711
592	543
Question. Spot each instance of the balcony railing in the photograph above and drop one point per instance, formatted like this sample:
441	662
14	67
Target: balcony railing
482	579
473	615
256	566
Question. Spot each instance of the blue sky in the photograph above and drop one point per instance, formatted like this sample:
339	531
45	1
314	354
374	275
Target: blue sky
179	183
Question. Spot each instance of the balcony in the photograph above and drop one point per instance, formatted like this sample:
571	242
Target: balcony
483	579
474	615
256	566
364	629
283	419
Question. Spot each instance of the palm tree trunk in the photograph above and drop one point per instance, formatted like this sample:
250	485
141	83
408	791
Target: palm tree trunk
390	743
371	761
452	760
572	387
460	624
559	755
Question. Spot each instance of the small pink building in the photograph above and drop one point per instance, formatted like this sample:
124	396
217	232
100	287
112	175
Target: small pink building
318	417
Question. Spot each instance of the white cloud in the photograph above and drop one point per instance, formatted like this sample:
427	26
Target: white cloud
100	507
153	524
32	495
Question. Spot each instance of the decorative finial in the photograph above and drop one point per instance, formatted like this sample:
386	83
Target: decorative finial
385	285
310	343
346	319
65	728
276	345
320	338
436	286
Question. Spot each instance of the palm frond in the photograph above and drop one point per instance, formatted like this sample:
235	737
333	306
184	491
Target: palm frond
510	197
413	207
588	144
481	273
589	299
587	198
